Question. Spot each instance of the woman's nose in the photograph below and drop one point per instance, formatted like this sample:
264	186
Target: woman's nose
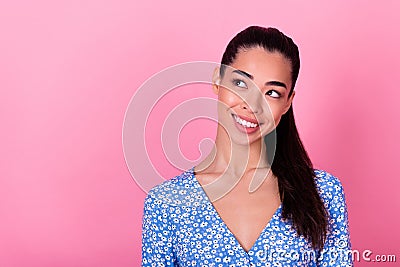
252	107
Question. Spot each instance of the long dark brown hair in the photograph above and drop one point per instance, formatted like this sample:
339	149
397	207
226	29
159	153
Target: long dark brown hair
301	202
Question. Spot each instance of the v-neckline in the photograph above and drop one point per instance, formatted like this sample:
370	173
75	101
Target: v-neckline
193	176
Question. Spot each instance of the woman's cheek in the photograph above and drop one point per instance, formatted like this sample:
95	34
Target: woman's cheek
277	114
228	97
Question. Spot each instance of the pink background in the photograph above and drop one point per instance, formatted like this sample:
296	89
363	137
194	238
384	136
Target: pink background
69	68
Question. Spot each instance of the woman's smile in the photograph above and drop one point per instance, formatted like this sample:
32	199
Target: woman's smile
246	125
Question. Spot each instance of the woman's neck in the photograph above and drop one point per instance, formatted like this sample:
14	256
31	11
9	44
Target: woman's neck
248	155
230	164
236	159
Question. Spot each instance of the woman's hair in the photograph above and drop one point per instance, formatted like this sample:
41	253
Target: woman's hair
301	202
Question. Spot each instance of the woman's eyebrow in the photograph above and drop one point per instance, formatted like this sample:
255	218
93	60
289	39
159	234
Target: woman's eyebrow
275	83
243	73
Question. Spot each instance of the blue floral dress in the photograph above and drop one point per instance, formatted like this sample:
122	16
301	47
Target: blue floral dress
182	228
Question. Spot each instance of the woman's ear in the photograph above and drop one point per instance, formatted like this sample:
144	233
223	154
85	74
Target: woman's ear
216	80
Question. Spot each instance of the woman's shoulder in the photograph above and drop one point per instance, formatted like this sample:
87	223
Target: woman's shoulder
324	178
175	191
329	187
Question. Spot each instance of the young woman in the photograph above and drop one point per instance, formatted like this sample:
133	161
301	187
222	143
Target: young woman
256	200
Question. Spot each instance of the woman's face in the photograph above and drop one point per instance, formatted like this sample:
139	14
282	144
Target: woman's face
253	94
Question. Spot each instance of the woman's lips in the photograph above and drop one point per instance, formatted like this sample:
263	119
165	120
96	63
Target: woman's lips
246	118
245	125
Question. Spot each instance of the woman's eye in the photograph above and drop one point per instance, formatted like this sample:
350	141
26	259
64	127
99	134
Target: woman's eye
273	93
239	83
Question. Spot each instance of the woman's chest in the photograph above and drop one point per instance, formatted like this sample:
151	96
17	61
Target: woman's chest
246	215
203	239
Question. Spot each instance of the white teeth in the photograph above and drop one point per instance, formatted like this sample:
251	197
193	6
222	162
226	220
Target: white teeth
244	122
